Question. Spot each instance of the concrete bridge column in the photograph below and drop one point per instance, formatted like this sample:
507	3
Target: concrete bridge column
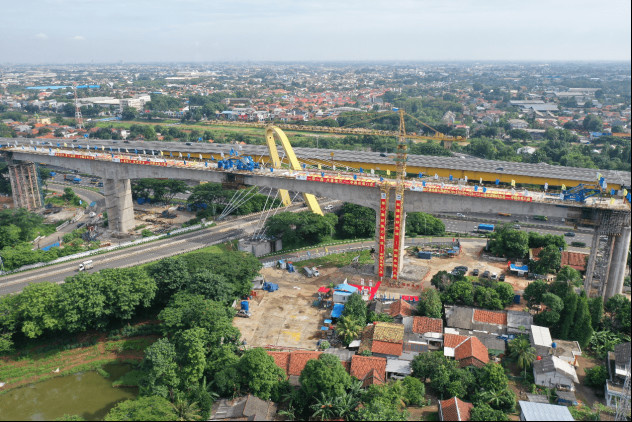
118	203
619	257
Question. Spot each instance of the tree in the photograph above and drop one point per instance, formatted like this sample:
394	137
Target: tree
424	224
81	303
191	354
596	377
568	318
459	292
355	221
582	330
549	260
125	290
171	275
37	311
534	291
186	410
592	123
487	298
160	368
484	412
492	377
505	292
129	113
415	391
618	306
211	286
148	408
509	242
553	302
186	310
325	375
348	328
258	373
441	280
520	348
569	275
596	312
430	304
355	308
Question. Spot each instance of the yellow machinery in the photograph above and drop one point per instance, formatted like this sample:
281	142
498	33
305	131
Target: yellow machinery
271	133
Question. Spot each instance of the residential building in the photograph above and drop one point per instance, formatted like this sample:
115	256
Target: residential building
385	339
534	411
247	408
293	362
553	372
454	409
618	368
371	370
518	124
485	321
422	333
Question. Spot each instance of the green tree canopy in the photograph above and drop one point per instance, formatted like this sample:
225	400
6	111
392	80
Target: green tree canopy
325	375
258	373
160	368
430	304
420	223
355	222
147	408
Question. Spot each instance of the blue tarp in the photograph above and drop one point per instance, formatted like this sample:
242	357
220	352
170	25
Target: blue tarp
346	288
337	310
54	245
523	268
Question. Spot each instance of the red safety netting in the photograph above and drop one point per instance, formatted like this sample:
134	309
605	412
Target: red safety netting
372	290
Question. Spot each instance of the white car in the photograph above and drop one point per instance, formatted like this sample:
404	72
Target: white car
329	208
458	214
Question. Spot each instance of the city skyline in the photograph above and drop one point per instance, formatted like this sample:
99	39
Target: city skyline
73	31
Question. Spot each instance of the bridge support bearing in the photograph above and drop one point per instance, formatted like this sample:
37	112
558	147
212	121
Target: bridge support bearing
25	186
119	205
619	256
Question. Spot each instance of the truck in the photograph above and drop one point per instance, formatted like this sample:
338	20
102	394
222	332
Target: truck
308	272
72	178
86	265
540	217
485	228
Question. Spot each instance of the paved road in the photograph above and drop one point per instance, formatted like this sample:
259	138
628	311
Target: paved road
141	254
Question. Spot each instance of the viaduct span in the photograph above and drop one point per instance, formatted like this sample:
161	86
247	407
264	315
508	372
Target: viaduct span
611	240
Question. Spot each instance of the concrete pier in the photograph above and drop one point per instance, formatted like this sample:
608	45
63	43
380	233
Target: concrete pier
119	205
619	257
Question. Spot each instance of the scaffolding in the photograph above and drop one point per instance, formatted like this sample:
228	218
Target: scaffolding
609	227
26	186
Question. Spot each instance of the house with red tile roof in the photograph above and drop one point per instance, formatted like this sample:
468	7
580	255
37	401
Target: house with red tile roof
454	410
468	350
383	338
400	309
293	362
422	334
368	369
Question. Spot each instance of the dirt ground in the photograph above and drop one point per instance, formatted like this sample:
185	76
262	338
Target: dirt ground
585	394
287	318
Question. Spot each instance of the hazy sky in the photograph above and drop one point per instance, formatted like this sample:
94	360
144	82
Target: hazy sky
79	31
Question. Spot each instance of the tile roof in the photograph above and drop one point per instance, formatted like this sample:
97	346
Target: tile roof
372	378
282	359
490	317
455	410
576	260
387	331
472	347
387	348
400	307
453	340
361	366
422	325
298	360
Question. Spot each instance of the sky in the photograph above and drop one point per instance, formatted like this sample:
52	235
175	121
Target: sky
133	31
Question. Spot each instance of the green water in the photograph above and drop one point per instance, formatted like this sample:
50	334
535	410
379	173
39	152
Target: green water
87	394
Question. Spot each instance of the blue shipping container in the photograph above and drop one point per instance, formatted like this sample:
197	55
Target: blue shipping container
245	305
424	255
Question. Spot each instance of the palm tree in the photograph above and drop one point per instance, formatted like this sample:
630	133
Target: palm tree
346	405
324	408
186	411
523	352
492	397
348	328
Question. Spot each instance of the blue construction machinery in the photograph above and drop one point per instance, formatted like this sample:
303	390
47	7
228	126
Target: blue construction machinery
581	192
241	163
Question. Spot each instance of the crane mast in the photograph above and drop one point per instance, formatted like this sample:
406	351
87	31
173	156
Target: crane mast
400	216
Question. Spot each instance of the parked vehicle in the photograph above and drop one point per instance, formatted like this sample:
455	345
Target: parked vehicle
486	228
86	265
502	277
243	314
329	208
569	234
475	272
494	277
485	274
308	272
315	271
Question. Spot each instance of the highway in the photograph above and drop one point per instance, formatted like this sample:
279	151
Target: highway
473	168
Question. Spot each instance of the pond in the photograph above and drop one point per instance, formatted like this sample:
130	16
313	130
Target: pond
86	394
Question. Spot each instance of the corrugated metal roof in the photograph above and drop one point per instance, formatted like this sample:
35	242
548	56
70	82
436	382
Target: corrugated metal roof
544	412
